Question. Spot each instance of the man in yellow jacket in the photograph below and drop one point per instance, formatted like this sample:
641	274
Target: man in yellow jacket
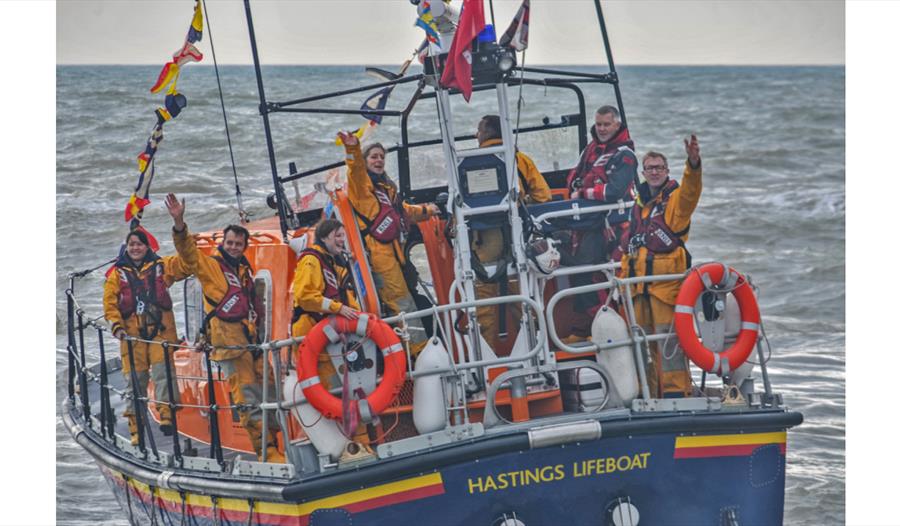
661	219
489	244
136	303
384	223
230	304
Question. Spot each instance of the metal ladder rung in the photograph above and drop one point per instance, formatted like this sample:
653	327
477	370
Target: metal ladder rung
474	152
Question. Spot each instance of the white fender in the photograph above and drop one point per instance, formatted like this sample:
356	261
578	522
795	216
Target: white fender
732	329
324	433
608	327
429	396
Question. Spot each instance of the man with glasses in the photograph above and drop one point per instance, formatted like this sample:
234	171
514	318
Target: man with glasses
660	221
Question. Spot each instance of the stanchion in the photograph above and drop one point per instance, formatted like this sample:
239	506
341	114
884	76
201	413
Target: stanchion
82	374
107	424
70	331
173	407
215	444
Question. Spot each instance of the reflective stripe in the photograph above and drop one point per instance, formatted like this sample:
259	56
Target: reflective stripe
397	347
326	304
309	382
684	309
589	193
331	334
362	324
750	326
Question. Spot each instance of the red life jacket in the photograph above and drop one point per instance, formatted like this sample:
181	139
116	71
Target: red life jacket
390	221
334	289
653	232
239	301
137	291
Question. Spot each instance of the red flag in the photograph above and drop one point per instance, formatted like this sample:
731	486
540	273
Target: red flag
458	72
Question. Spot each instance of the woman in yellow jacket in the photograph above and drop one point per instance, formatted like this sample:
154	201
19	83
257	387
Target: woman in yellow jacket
661	218
136	303
384	221
321	287
230	301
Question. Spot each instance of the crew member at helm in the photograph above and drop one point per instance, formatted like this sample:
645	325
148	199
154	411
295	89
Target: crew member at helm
659	228
384	222
231	307
136	303
489	245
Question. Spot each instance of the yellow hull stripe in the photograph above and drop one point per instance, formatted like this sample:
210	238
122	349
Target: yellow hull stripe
275	508
778	437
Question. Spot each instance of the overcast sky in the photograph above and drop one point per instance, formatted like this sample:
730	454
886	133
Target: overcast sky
382	31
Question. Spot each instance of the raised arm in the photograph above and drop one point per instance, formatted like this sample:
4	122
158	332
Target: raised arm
691	186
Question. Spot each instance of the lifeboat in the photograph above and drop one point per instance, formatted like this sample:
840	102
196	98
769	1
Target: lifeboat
551	424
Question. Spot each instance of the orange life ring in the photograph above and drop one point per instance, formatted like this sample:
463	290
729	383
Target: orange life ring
328	331
733	357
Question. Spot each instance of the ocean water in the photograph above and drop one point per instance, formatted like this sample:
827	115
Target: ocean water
773	205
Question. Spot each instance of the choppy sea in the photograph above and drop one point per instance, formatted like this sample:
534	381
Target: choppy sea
773	205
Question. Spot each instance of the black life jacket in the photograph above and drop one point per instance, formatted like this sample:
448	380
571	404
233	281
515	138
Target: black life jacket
335	289
390	221
239	301
652	232
135	289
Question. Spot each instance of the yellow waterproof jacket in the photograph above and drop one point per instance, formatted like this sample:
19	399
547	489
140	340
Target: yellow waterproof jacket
308	290
360	192
174	269
214	285
534	187
678	212
488	244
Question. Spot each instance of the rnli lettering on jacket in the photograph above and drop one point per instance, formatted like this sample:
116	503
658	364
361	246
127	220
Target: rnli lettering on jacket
237	303
137	291
389	223
653	232
333	288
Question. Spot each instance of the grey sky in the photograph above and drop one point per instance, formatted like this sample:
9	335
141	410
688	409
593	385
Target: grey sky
382	31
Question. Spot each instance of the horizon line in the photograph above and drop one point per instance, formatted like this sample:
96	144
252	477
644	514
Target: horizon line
761	64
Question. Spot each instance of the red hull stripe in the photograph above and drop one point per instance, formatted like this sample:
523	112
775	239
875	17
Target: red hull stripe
721	451
171	506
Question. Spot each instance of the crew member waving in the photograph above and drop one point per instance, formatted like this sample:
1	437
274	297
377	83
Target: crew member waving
659	227
385	221
231	308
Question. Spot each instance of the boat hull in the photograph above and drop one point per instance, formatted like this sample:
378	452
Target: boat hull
670	478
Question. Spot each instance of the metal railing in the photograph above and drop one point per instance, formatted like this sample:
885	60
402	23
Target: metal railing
532	366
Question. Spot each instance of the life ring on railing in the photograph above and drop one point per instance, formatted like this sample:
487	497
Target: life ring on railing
697	282
328	331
